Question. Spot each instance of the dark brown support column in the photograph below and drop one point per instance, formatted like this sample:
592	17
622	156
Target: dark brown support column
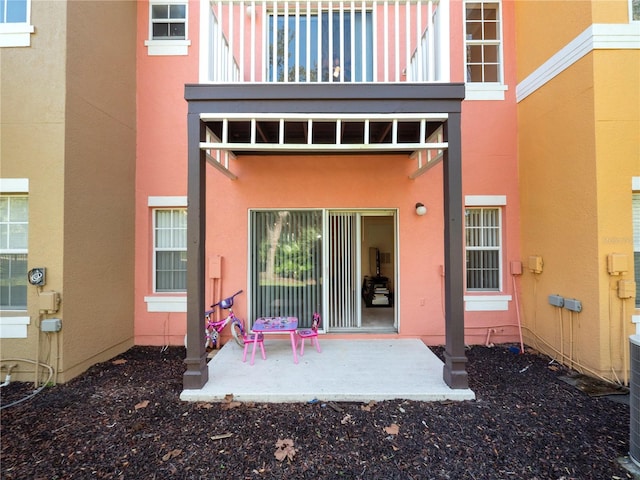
197	373
455	360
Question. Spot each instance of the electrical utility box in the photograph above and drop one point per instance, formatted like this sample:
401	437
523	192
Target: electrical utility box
535	263
49	302
626	289
617	263
51	325
573	304
556	300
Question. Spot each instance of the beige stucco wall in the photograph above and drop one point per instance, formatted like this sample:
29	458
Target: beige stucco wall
579	148
32	147
68	125
99	181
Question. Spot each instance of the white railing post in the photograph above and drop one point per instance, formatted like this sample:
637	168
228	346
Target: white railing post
443	46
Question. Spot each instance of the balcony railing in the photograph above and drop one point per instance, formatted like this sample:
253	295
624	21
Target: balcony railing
376	41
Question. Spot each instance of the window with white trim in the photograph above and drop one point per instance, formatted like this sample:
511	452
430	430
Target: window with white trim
170	250
14	237
15	28
483	249
168	28
636	243
168	21
483	42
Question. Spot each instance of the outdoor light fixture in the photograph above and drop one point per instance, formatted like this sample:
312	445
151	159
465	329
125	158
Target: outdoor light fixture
420	209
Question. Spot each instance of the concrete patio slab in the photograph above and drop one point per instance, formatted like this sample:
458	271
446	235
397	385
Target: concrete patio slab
345	371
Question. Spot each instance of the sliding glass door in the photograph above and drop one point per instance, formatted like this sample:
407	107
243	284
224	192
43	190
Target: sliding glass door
286	263
306	261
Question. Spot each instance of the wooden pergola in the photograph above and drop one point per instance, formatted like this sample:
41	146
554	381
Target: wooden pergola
250	108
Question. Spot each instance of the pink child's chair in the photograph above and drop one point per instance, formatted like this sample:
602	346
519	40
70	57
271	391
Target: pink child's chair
250	339
310	333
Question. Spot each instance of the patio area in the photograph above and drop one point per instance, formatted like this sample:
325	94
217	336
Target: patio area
345	371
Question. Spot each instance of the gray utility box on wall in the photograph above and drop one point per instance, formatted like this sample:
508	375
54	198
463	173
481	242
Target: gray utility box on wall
51	325
573	304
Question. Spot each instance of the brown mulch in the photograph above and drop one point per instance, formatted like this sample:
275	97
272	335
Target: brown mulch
124	419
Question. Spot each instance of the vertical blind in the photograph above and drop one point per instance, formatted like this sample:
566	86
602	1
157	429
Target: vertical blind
286	264
344	299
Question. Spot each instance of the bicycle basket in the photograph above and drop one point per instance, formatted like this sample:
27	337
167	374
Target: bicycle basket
226	303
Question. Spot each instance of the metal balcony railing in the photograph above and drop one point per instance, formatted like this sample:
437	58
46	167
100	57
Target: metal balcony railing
378	41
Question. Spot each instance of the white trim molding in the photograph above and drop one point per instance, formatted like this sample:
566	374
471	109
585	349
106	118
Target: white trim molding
485	200
157	48
635	184
14	327
484	91
486	303
157	304
14	185
167	201
16	34
599	36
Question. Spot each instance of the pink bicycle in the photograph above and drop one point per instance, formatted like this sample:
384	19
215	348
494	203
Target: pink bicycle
213	328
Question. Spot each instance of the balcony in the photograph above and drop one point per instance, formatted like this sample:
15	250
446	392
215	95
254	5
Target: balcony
380	41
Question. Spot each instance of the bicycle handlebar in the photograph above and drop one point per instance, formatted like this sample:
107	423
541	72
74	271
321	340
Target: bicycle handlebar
227	301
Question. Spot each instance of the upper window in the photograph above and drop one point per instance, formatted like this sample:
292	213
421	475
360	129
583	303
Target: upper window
14	234
635	10
483	41
483	232
321	47
170	250
168	28
168	22
15	30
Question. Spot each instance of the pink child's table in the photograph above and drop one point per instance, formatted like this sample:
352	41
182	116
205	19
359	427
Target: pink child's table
276	325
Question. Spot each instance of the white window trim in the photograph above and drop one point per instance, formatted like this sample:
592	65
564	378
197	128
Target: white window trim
167	202
479	301
17	34
595	37
485	200
14	327
635	184
166	302
489	90
168	47
485	91
176	303
163	301
14	185
486	303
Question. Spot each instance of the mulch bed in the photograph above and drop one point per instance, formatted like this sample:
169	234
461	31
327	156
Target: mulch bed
124	419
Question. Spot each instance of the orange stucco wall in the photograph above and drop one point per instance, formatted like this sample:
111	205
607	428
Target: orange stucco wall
545	27
326	181
579	149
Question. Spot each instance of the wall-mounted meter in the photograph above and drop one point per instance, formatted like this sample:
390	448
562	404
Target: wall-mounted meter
37	276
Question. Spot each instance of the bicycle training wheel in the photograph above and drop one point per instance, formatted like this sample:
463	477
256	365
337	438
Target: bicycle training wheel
238	333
